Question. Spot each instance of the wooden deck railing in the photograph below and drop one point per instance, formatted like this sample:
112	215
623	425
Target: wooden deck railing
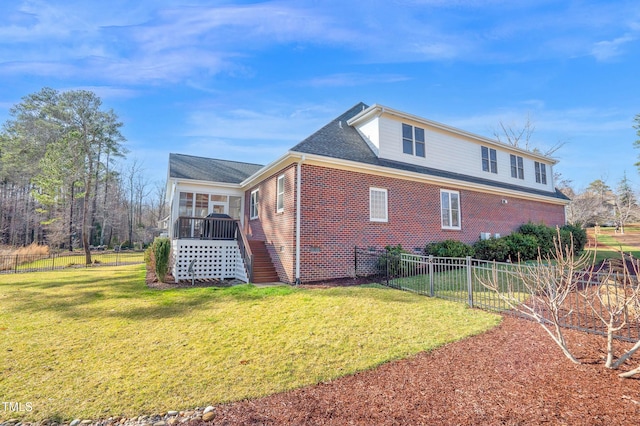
245	252
205	228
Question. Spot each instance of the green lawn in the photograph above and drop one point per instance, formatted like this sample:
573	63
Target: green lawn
609	239
452	285
94	343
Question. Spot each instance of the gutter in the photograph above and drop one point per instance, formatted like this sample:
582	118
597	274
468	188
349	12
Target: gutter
298	202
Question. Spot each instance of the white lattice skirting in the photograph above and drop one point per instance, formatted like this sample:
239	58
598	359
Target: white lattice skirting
212	259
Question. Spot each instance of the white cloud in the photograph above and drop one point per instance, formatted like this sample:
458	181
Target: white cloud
244	125
605	50
354	79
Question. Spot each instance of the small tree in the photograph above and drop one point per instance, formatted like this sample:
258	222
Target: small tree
161	251
615	301
540	291
546	285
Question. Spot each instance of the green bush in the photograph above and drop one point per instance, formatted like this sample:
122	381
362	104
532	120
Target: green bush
149	258
521	246
492	249
579	237
161	249
448	248
389	263
543	233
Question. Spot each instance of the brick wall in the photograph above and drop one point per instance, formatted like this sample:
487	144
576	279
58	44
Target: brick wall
277	229
335	217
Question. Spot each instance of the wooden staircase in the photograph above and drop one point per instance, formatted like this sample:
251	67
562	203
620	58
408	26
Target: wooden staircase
263	269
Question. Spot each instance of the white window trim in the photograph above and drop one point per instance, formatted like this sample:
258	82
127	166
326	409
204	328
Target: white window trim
519	170
386	205
492	167
414	141
279	194
253	204
541	175
442	225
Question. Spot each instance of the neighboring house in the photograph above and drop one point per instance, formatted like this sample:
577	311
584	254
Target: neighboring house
372	177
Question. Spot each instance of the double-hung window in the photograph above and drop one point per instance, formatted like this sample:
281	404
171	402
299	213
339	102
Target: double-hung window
253	205
450	209
541	173
517	167
413	140
378	205
280	194
489	160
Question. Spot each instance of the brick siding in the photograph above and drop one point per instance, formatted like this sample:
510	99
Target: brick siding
277	229
335	218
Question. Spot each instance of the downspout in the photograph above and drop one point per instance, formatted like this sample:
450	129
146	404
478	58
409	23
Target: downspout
298	192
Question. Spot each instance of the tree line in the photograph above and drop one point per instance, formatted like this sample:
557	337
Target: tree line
64	179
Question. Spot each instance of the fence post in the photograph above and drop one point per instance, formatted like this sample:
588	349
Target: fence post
386	257
431	289
469	282
53	261
355	261
15	267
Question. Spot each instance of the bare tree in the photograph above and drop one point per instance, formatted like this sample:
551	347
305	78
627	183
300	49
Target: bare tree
521	137
625	203
539	290
615	301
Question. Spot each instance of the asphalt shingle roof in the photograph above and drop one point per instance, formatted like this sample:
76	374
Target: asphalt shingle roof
335	140
209	169
341	141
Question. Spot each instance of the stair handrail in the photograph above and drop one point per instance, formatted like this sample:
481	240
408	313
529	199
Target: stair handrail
245	251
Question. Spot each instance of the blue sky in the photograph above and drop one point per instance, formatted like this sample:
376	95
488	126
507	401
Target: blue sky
246	80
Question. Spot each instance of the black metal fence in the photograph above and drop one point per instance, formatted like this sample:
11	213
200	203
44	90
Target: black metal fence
465	280
38	262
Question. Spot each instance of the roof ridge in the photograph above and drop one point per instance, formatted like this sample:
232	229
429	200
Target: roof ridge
215	159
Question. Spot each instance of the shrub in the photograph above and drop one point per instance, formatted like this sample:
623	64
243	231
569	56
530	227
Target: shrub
579	237
161	249
521	246
449	248
149	258
492	249
543	233
389	263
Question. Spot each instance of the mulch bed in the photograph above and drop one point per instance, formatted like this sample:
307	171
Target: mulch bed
511	375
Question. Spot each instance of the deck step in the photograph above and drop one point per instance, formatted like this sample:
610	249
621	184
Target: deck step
263	269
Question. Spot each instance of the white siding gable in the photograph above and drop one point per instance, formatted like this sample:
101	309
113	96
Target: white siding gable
449	150
369	131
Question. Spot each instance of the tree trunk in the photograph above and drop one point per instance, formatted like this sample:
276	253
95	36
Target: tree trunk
71	217
86	218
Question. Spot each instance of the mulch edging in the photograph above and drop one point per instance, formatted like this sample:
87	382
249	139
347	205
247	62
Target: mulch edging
511	375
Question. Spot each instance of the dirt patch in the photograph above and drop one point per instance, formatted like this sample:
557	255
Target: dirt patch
511	375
